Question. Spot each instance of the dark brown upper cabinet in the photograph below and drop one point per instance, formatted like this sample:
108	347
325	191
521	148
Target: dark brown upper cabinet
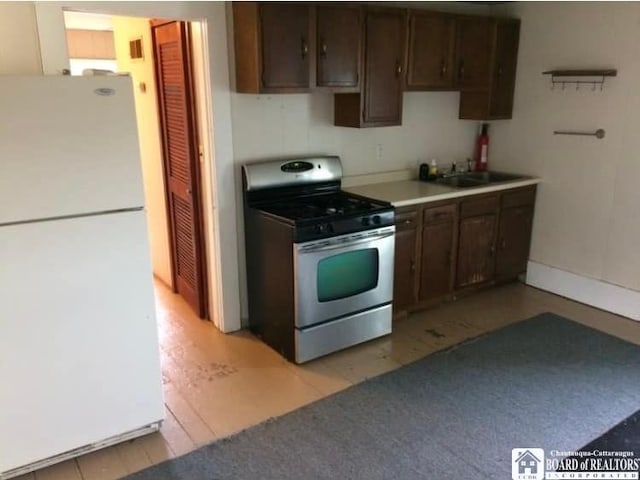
380	101
338	46
273	50
367	56
430	51
495	102
473	53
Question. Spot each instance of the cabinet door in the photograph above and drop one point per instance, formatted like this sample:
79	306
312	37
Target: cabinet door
285	45
339	37
476	248
504	69
514	239
404	275
430	56
436	273
384	68
473	50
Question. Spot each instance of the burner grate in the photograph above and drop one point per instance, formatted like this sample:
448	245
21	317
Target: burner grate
320	206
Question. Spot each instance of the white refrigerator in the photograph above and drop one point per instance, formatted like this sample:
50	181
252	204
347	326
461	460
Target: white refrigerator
79	355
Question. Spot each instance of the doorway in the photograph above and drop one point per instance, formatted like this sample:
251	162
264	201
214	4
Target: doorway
169	133
178	129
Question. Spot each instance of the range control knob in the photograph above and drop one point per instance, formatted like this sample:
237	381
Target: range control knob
324	228
376	220
365	221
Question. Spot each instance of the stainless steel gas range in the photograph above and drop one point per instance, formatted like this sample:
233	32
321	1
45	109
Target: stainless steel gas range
319	260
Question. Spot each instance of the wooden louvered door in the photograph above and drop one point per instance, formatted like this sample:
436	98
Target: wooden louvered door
171	42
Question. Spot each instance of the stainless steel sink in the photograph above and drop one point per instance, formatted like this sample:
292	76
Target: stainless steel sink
460	181
476	179
491	177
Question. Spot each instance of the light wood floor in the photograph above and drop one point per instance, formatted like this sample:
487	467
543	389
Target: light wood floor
218	384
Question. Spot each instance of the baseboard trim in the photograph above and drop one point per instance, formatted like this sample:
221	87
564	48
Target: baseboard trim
597	293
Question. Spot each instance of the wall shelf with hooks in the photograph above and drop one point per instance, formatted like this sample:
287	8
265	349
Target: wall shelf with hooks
593	77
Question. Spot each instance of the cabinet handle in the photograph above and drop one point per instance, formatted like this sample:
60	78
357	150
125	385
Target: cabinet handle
503	244
407	221
398	69
323	47
304	47
500	71
412	266
443	69
461	71
492	250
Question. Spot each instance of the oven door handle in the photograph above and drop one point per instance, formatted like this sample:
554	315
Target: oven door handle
342	245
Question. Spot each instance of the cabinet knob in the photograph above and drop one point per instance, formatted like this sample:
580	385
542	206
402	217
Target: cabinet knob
398	69
492	250
412	266
304	48
503	244
323	48
461	71
500	71
443	68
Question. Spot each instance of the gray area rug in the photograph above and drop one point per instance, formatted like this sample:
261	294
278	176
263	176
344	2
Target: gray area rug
545	382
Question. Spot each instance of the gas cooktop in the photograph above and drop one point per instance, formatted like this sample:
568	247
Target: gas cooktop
323	206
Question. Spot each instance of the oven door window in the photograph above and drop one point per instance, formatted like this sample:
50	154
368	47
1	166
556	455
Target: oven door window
347	274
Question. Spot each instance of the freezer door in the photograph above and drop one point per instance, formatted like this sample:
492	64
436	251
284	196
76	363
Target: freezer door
79	357
68	145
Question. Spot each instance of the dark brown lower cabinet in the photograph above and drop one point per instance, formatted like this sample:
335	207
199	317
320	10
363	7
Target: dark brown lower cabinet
476	249
438	248
448	247
405	271
514	239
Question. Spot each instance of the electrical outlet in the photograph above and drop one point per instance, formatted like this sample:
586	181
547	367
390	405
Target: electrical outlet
378	152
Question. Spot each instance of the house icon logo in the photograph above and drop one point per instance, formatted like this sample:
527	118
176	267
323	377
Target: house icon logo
527	464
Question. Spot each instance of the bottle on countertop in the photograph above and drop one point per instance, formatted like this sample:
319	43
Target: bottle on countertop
423	173
433	169
482	149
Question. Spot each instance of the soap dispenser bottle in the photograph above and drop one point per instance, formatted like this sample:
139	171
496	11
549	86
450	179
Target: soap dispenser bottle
433	169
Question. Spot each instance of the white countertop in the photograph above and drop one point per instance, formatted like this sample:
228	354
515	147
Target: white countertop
411	192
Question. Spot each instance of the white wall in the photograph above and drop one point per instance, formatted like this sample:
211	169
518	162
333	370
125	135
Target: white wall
587	218
126	29
275	125
19	48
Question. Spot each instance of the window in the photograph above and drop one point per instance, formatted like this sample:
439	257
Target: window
347	274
